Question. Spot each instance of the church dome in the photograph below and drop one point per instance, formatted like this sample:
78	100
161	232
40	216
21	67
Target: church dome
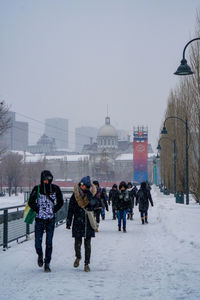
107	130
107	136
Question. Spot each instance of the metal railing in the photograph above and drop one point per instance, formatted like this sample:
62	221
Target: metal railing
13	227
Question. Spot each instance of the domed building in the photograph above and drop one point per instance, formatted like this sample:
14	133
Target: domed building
107	137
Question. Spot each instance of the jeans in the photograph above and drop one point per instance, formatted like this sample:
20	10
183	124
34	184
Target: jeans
40	227
121	215
87	245
103	212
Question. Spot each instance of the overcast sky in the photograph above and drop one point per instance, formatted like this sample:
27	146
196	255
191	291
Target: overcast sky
70	59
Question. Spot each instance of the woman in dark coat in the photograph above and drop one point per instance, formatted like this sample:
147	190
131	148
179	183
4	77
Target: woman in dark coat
143	198
82	199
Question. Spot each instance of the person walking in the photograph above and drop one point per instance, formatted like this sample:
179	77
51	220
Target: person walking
81	202
143	198
45	199
112	198
104	201
123	204
99	197
132	195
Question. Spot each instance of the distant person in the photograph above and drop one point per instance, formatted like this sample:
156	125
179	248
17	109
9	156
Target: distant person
81	201
104	200
143	198
46	204
123	205
132	195
112	199
99	198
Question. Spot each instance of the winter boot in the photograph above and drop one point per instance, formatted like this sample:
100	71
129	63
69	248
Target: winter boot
142	220
47	268
40	261
128	216
119	228
76	262
86	268
146	221
124	229
131	218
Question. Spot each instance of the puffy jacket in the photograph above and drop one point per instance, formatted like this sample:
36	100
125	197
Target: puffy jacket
123	200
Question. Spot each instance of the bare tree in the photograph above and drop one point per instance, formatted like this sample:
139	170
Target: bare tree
12	170
4	122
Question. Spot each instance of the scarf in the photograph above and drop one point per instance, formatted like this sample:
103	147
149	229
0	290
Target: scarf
80	197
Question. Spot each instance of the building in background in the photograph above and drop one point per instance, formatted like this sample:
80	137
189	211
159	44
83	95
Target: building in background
84	136
16	137
45	145
57	128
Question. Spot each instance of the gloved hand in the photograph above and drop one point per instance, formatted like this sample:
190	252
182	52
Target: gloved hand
67	227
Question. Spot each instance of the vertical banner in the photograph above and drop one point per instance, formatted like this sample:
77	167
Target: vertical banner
140	154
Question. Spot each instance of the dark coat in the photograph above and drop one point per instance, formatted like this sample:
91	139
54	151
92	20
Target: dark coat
46	190
143	198
113	196
123	200
132	195
81	226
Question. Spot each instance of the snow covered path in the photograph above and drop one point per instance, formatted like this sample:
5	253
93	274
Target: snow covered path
155	261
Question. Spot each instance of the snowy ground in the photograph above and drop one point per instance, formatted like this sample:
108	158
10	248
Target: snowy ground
13	200
158	261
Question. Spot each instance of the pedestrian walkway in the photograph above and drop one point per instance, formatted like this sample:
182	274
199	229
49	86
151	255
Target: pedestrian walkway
155	261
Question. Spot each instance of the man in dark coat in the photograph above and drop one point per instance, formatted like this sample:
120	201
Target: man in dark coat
143	198
81	201
122	204
45	199
112	198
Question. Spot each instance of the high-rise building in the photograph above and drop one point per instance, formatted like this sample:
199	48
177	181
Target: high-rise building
16	137
84	135
57	128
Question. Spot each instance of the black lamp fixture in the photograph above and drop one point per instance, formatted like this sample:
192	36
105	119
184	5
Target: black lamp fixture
184	68
164	130
158	147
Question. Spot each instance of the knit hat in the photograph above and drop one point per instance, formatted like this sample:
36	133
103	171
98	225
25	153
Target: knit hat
86	181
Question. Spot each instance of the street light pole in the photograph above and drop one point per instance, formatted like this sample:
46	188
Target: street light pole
159	148
164	131
174	167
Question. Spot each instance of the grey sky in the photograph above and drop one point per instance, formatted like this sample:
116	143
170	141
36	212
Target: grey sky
70	59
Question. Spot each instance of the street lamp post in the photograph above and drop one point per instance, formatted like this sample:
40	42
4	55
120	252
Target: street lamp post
159	148
184	68
164	131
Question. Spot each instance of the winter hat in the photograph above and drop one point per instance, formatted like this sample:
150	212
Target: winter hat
129	184
143	185
86	181
95	182
114	186
46	175
122	184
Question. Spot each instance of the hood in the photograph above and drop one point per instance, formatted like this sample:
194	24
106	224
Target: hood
45	174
